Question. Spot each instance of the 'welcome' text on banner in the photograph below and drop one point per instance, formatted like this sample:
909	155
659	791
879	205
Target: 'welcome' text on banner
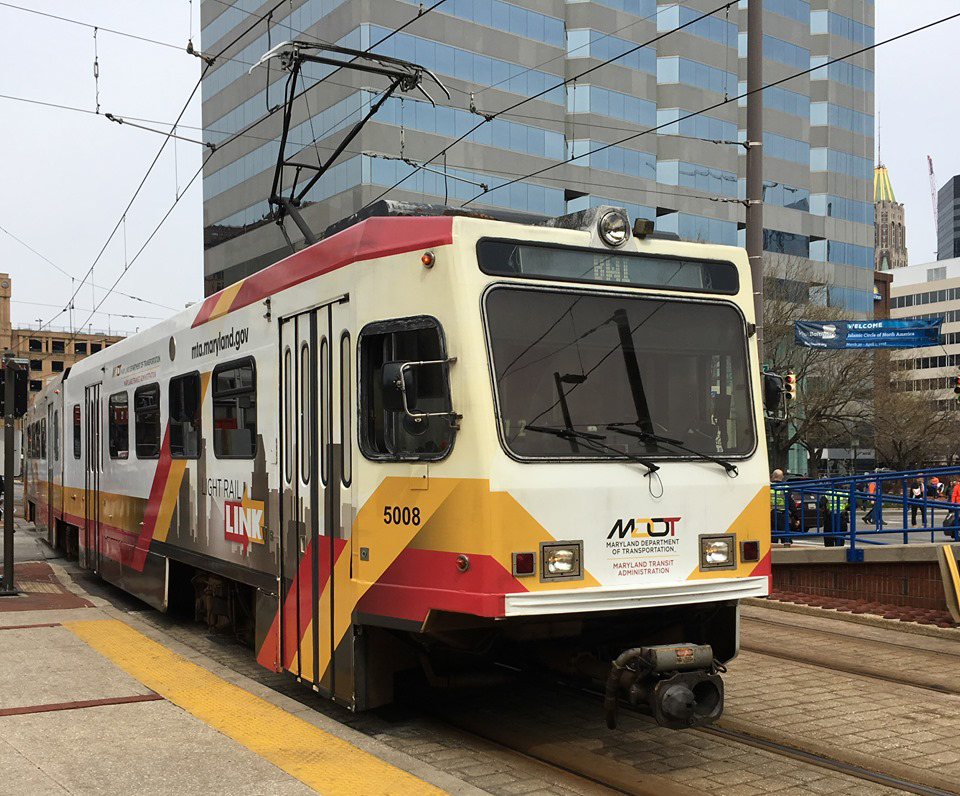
868	334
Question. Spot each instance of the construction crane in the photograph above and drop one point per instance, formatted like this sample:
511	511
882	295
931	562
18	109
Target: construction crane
933	195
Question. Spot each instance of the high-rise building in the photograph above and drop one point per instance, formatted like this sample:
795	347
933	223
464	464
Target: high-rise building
948	220
688	175
889	224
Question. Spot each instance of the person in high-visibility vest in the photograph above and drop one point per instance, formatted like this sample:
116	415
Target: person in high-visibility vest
781	514
835	505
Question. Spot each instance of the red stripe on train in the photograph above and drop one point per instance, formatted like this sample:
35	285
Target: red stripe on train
374	237
301	591
420	580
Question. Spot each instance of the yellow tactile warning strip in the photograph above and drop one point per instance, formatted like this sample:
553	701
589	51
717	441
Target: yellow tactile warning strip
318	759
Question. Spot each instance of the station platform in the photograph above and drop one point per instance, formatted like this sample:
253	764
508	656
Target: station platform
95	701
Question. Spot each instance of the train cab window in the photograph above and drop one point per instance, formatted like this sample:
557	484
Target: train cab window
185	416
118	426
76	431
390	433
235	410
146	408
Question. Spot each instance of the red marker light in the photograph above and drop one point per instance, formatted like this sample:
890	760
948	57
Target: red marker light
524	563
750	550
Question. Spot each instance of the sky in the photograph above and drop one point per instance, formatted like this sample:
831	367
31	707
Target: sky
67	176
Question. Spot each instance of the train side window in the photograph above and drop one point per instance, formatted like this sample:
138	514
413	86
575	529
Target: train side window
185	416
56	436
235	410
76	431
146	408
43	438
118	428
388	434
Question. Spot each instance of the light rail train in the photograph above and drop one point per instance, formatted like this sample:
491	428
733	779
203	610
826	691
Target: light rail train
437	440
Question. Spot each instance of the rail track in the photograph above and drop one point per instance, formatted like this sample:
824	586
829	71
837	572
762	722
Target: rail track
569	750
937	667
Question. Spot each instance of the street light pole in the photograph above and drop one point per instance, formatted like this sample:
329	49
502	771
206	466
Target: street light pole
9	410
754	144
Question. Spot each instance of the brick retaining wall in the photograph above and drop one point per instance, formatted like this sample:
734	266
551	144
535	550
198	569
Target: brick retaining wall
912	584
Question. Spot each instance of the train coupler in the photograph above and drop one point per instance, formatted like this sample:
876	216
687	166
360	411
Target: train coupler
678	684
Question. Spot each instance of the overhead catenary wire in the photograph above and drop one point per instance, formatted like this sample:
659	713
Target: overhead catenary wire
96	309
70	276
207	66
153	163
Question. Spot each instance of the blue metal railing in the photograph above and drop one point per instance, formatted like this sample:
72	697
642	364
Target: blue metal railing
829	508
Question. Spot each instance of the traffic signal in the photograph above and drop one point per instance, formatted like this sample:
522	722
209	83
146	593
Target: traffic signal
19	377
790	386
956	387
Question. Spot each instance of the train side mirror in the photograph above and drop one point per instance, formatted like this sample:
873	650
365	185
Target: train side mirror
772	391
399	383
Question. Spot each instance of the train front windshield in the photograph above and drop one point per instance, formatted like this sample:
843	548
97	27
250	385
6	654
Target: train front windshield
604	365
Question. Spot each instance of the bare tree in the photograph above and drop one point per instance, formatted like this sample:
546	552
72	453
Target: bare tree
834	387
910	432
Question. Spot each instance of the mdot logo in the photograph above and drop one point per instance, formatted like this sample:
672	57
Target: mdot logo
644	527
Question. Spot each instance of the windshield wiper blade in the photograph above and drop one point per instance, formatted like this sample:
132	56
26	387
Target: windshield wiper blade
592	441
564	433
646	436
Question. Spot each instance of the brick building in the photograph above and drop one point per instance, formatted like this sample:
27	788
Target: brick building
49	350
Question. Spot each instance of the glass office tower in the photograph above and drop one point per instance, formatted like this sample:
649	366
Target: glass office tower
948	220
688	175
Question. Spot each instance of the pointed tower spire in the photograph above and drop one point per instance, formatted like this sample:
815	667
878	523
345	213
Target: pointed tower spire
890	232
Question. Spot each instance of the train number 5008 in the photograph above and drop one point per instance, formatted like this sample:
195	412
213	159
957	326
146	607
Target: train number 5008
401	515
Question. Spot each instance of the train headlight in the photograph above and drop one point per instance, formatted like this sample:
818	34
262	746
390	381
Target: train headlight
718	552
561	560
614	228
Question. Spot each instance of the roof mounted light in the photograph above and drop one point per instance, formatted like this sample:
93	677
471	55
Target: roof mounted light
614	228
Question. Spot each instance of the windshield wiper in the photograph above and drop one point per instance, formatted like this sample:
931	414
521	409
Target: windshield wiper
564	433
647	437
593	441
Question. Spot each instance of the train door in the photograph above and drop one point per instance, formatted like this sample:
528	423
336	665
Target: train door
93	466
305	560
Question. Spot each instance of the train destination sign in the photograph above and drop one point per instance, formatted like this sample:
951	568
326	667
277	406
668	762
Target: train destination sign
914	333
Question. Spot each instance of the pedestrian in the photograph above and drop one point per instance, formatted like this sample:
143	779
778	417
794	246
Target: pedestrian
952	521
835	508
916	492
779	516
875	515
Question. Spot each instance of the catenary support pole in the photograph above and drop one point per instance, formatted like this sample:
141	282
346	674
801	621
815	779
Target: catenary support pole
8	416
754	198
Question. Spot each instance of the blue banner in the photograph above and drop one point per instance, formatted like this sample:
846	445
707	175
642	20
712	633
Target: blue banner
868	334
